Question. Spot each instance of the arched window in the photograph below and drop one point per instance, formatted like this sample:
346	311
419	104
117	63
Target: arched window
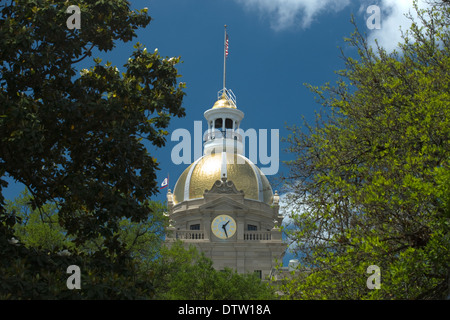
228	124
218	124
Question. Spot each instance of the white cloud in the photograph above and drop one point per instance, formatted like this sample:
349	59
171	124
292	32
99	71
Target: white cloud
284	14
392	19
289	207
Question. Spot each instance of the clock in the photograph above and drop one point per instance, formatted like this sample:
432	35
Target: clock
223	226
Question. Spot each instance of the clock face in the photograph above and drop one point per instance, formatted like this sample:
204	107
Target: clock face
223	226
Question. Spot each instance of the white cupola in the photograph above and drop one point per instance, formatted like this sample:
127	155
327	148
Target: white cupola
223	123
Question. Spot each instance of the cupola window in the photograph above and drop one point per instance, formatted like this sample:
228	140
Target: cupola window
228	124
218	124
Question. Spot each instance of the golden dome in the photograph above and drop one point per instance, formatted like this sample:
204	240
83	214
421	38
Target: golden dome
202	174
223	102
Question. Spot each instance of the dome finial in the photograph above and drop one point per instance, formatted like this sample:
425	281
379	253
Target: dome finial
225	99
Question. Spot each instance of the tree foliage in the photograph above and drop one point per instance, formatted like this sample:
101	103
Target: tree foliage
372	175
186	274
40	250
75	139
37	228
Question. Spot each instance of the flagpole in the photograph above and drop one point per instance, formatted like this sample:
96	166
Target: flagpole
225	59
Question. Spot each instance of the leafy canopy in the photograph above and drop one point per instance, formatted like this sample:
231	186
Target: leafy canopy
77	137
372	175
182	273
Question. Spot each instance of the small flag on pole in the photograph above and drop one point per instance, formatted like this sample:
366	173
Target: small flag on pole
165	183
226	47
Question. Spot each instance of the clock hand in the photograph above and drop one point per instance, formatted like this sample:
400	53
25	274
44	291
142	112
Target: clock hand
225	229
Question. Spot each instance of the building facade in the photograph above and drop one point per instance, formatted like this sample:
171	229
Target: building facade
223	204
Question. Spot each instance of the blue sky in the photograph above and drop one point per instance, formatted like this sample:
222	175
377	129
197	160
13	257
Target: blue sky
266	66
274	47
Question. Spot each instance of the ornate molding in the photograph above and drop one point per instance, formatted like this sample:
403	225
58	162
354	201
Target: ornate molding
223	186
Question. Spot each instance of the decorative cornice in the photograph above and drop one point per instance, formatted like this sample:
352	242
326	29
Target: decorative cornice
223	186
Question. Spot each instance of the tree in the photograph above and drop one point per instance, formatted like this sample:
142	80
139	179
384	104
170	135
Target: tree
181	273
372	175
76	138
40	229
37	228
52	250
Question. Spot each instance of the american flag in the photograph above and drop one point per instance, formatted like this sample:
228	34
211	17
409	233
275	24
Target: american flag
226	46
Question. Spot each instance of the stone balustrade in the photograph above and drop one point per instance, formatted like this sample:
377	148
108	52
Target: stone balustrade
257	235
